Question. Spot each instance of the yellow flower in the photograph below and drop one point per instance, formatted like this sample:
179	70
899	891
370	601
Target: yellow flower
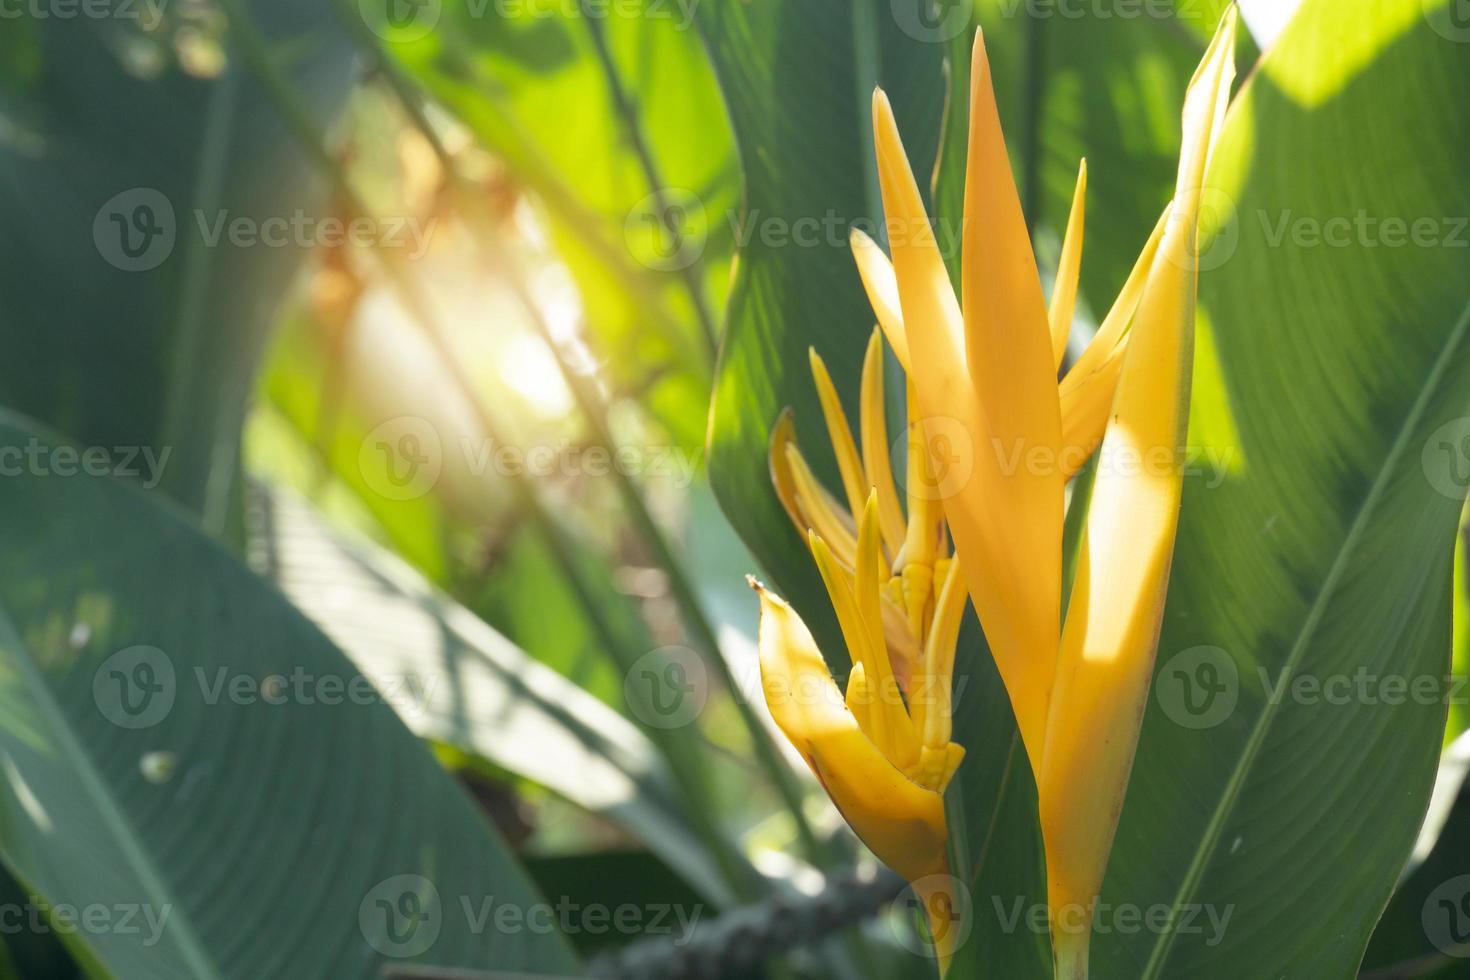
882	750
989	367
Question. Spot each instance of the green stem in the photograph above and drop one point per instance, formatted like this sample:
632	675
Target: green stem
633	127
1069	954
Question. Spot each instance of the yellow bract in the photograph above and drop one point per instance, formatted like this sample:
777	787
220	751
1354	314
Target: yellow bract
987	368
984	372
883	750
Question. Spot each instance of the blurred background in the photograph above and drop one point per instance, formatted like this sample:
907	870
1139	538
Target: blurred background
418	308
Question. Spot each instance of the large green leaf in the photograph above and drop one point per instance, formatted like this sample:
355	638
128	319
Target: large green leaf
180	742
1319	520
479	692
113	129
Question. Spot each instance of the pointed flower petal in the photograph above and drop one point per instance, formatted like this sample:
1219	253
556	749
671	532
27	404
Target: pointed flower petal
1112	625
877	463
882	289
1064	293
1006	523
849	464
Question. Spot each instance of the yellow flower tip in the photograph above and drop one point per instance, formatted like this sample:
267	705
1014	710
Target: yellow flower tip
882	108
979	57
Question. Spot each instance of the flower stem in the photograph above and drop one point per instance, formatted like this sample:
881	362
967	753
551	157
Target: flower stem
1069	954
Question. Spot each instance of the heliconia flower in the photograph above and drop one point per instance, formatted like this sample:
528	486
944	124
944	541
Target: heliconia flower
988	366
914	543
882	750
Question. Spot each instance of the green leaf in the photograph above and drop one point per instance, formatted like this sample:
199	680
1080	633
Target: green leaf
475	689
179	741
1319	518
157	136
